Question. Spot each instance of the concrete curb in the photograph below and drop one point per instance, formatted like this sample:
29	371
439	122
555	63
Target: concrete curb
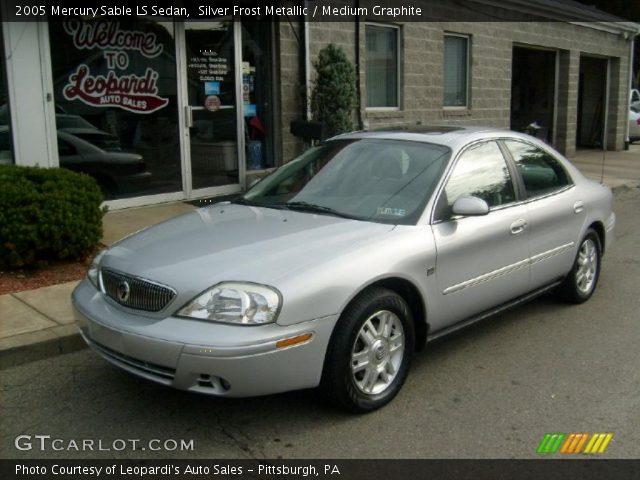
33	347
624	188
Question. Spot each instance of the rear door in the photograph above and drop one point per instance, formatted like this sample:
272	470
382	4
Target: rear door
554	208
482	261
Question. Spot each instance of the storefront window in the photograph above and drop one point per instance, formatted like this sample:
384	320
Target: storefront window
257	71
6	155
116	103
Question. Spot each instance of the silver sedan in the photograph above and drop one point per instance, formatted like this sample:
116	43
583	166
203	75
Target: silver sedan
334	269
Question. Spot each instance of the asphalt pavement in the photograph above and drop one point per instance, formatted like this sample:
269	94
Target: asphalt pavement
492	391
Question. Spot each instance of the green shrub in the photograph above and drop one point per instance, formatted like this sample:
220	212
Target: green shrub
334	93
47	214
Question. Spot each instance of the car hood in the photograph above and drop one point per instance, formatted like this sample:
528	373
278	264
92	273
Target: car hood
236	242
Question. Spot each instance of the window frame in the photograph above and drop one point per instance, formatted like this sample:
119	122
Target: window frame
514	174
467	104
515	178
399	49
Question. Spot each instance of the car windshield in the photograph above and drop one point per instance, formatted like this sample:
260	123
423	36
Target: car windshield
385	181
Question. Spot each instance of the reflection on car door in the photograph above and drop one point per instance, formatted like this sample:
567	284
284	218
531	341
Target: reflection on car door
481	261
555	210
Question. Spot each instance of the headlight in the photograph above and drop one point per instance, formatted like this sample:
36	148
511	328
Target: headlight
234	302
92	273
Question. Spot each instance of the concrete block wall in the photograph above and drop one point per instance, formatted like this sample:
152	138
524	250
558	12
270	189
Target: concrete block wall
490	80
291	85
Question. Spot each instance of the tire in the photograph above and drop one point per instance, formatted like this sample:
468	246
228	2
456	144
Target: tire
581	282
366	364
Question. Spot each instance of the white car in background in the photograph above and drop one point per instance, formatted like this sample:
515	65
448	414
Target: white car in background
635	98
634	124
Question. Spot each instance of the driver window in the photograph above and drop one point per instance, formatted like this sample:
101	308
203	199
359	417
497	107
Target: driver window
480	172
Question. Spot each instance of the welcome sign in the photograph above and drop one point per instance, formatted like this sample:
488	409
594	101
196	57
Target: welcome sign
132	92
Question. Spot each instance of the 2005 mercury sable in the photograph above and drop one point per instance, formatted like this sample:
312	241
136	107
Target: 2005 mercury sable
335	268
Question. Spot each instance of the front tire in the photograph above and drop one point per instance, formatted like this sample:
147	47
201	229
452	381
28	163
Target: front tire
370	352
581	282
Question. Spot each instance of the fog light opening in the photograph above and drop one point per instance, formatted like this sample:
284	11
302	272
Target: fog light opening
212	382
289	342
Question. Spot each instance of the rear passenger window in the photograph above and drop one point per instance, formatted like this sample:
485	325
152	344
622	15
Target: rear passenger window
540	171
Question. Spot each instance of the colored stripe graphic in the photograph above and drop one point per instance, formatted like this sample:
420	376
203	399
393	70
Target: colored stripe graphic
573	443
550	443
598	443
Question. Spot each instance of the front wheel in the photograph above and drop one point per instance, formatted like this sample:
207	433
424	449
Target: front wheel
370	352
581	281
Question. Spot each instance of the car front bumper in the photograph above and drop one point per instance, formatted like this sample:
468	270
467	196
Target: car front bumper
205	357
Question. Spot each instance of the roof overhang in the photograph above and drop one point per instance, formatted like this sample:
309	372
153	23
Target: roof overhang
556	10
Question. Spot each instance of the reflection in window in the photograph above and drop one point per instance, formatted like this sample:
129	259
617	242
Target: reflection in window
6	155
382	65
541	173
379	180
481	172
116	104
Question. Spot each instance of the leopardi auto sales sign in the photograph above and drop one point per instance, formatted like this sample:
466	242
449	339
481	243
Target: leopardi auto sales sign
129	91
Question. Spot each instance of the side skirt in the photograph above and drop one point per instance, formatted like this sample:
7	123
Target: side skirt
491	312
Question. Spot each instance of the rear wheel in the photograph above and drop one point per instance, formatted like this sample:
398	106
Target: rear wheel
582	280
370	352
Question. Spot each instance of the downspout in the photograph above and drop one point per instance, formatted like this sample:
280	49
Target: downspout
307	65
358	77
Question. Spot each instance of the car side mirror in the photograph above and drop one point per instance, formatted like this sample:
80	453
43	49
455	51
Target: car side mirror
470	207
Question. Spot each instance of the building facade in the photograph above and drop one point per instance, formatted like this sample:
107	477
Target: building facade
160	110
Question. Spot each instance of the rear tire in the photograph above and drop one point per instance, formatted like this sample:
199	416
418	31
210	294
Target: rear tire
581	282
370	352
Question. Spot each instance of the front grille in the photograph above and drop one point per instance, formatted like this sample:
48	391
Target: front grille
165	373
134	292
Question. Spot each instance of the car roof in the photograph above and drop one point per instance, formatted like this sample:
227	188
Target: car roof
447	135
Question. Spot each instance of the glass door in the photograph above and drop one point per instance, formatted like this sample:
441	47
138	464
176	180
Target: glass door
214	144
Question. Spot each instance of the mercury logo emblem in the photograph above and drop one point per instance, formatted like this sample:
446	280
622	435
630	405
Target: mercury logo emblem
123	291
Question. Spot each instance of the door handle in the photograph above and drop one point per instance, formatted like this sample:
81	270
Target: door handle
578	206
518	226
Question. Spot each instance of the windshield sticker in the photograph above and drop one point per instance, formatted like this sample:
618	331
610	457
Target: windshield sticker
395	212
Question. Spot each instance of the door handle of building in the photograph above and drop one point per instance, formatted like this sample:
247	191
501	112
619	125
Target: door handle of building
518	226
578	206
188	115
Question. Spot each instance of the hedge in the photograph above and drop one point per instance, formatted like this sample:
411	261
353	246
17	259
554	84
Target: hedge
47	214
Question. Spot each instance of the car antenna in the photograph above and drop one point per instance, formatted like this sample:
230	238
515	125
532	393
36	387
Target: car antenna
602	145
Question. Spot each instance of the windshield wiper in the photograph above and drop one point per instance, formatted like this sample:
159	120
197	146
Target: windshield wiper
242	201
310	207
249	203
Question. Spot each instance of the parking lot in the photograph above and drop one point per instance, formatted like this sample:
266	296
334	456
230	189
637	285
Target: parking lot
492	391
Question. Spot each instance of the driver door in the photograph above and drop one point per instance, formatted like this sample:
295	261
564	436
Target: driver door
482	261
